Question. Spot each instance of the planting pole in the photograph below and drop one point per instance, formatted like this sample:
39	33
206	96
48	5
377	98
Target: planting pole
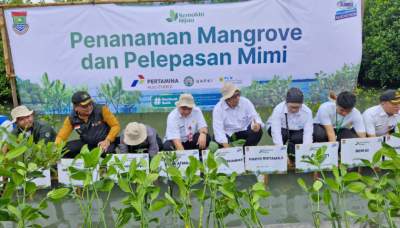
10	74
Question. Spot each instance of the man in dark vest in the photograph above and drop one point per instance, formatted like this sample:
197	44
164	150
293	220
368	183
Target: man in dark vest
26	124
94	123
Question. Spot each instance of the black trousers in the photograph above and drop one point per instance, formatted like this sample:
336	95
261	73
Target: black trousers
169	145
74	147
252	138
320	135
296	137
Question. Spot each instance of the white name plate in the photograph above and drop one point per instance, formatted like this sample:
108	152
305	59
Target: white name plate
393	142
43	182
304	150
182	161
63	173
233	156
266	159
352	150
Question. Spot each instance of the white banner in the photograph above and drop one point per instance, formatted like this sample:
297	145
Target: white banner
182	161
303	150
266	159
233	157
393	142
352	150
180	47
63	173
127	160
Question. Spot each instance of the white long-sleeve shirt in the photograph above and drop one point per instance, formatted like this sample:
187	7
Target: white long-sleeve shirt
179	127
296	121
227	120
378	122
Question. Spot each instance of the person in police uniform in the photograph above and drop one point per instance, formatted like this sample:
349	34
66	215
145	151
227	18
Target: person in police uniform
186	126
235	117
26	124
94	123
291	121
382	119
338	119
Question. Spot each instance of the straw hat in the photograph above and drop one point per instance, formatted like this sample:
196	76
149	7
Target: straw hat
20	111
228	89
135	133
186	99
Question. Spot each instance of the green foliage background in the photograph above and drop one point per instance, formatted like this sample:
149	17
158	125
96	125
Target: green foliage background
381	45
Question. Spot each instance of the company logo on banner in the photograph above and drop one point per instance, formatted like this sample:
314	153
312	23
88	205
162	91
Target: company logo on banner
183	17
19	22
345	9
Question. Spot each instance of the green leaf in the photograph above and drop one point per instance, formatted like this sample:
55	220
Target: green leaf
124	185
377	157
30	188
105	185
302	184
58	194
353	176
258	186
326	197
356	187
317	185
169	198
332	184
155	163
173	171
227	192
16	152
157	205
262	211
14	211
91	158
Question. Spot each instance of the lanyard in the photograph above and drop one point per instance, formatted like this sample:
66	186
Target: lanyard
338	125
287	127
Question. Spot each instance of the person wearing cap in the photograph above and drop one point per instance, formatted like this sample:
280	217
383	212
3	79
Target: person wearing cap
94	123
382	119
338	120
235	117
291	121
138	136
26	124
186	126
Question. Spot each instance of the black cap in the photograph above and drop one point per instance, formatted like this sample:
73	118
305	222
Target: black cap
391	95
294	95
81	98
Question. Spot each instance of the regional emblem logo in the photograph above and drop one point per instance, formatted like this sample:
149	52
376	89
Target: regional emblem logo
19	22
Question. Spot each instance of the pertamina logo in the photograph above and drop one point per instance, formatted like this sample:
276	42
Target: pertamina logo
140	80
19	22
183	18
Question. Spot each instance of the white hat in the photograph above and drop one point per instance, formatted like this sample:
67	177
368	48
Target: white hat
228	89
135	133
186	99
20	111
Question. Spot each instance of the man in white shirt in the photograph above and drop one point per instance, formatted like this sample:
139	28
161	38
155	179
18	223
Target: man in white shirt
382	119
291	121
338	120
234	117
186	127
